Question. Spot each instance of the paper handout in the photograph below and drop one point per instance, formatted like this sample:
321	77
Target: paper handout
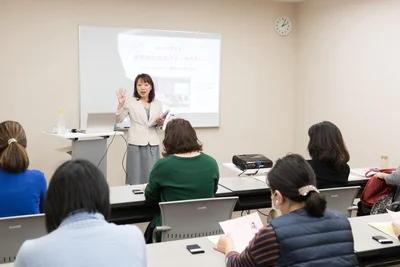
214	239
360	172
394	215
242	229
386	227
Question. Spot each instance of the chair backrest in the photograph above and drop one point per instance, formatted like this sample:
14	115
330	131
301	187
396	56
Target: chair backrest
195	218
395	206
340	198
16	230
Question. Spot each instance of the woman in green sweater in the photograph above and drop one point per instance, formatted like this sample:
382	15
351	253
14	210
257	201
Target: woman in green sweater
184	172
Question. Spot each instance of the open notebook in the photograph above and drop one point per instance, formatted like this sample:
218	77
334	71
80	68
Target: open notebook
386	227
242	230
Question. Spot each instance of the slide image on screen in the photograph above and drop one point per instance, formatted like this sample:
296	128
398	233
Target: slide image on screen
185	68
174	93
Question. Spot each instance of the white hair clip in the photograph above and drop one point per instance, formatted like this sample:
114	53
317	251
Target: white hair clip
303	191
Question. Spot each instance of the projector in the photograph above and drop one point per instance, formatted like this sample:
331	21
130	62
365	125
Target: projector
251	161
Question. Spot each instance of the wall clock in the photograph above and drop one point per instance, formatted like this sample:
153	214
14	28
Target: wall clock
283	25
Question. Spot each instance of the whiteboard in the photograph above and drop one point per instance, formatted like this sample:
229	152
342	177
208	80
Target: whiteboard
185	68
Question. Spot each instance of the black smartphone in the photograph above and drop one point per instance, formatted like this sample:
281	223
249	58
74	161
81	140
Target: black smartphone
195	249
382	239
137	191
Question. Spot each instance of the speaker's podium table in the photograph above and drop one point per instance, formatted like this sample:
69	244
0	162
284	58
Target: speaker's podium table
91	146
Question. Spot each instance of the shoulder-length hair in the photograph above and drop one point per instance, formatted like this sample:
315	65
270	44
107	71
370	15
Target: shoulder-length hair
76	186
146	79
180	137
326	144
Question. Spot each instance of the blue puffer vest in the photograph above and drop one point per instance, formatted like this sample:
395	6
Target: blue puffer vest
309	241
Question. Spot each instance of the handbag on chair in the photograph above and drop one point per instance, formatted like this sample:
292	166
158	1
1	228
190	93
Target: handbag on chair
376	188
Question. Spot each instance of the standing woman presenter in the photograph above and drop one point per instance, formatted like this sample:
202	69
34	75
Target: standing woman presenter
145	123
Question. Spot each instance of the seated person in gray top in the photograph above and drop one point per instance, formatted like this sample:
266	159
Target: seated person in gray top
391	179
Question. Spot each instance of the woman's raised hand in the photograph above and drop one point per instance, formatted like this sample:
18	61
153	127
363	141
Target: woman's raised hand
121	95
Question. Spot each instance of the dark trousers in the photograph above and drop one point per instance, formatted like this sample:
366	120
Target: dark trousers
363	209
148	234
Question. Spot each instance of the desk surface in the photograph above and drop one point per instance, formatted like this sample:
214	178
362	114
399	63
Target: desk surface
233	167
175	254
355	177
120	195
124	194
70	135
355	174
362	233
223	191
242	184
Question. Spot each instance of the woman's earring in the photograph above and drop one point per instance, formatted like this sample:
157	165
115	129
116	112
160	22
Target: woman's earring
276	202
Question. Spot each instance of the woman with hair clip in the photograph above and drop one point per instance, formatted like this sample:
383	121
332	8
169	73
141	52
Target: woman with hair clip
77	206
184	173
145	113
329	155
305	235
22	191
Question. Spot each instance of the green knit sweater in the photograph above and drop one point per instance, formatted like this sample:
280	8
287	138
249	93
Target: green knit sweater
176	178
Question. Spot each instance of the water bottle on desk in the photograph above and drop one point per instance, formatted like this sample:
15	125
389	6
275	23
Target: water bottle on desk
384	162
61	128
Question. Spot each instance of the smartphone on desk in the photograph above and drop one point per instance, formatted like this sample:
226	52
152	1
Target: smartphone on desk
137	191
382	239
195	249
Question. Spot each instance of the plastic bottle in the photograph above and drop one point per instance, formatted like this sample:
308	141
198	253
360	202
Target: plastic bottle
384	162
61	129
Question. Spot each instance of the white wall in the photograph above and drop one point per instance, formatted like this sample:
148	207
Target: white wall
348	57
39	70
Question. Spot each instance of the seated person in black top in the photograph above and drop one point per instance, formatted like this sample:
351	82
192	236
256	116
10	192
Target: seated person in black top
329	155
